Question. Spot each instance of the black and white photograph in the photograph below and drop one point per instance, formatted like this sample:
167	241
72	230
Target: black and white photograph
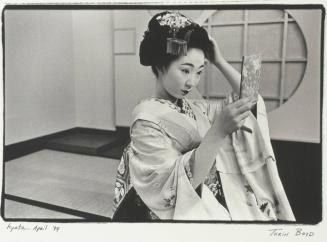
130	114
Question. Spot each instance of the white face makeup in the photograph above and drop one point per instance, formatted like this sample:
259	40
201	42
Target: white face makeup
182	75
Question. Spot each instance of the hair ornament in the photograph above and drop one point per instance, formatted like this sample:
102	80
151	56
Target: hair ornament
174	21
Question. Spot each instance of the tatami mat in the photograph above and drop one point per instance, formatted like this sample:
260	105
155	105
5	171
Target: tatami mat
81	182
18	210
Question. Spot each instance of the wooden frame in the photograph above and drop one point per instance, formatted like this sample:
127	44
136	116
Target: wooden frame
281	98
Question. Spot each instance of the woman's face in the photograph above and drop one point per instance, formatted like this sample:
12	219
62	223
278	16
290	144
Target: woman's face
182	74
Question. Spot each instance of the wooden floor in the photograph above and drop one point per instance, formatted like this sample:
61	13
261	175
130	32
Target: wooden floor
80	182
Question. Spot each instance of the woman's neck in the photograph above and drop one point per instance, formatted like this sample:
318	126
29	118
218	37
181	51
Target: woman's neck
160	92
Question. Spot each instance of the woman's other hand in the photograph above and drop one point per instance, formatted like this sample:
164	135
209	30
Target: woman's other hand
232	116
216	58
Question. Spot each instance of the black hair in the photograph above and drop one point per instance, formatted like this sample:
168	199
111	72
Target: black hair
154	44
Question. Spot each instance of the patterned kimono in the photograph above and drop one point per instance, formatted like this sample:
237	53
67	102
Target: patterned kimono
154	179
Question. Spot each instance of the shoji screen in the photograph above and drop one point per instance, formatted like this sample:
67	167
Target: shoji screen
272	33
289	42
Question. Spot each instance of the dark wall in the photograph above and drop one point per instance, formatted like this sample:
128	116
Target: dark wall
300	168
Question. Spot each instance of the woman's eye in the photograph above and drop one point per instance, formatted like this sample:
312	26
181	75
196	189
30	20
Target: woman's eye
186	71
199	73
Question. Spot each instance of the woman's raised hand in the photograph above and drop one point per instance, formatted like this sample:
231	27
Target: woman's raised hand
215	55
232	116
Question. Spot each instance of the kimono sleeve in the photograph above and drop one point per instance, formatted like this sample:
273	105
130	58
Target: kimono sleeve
209	108
158	168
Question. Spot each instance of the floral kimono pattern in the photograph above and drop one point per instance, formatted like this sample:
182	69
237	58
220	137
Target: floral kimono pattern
243	183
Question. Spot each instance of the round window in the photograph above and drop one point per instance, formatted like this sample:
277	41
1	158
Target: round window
273	34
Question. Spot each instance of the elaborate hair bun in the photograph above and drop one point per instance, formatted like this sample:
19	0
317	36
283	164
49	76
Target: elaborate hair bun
153	45
169	33
146	51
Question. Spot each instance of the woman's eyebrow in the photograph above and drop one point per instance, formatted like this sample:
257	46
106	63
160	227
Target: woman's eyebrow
190	64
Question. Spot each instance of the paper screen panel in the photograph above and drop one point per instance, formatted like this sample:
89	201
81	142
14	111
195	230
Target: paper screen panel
229	39
218	85
223	16
295	42
265	15
293	77
265	40
270	80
